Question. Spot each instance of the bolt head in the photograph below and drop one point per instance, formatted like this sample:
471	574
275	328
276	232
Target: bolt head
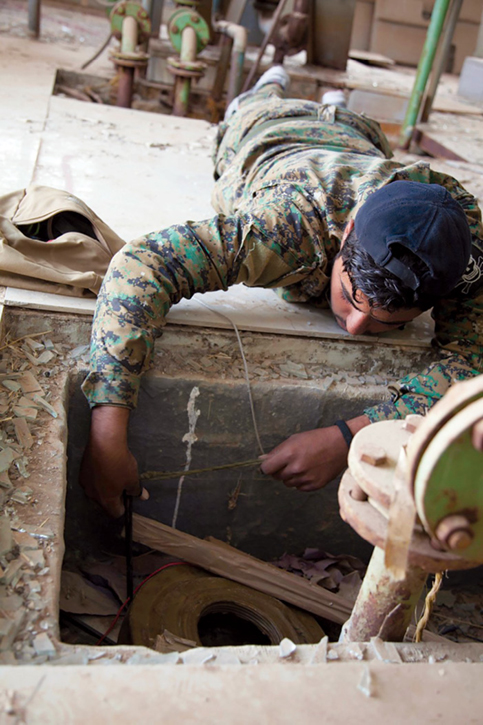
174	29
459	540
357	493
374	455
454	532
412	422
195	18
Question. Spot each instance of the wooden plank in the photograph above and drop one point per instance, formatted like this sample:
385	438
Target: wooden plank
434	147
365	56
31	299
250	308
224	560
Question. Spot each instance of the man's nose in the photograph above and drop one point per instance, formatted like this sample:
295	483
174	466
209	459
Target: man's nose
357	322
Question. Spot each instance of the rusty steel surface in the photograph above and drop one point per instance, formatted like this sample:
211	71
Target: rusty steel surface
126	8
371	524
291	34
384	607
125	86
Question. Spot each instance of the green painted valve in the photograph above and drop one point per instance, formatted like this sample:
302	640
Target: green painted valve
124	9
185	17
447	463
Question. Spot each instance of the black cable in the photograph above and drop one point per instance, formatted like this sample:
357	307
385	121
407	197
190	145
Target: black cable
128	534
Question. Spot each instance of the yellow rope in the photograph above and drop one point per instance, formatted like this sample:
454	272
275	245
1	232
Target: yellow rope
428	606
163	475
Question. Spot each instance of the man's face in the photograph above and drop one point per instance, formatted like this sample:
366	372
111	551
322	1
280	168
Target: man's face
356	316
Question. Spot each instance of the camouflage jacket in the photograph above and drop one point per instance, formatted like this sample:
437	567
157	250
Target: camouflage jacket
284	194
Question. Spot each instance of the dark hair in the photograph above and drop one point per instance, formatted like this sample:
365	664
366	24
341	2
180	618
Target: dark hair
382	288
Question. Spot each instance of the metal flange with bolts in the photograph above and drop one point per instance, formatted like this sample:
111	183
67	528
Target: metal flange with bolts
130	24
414	489
189	34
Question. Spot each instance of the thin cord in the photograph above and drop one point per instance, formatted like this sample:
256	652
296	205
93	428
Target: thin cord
126	602
163	475
101	49
428	606
245	366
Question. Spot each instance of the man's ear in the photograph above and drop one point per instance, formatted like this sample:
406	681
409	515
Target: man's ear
347	231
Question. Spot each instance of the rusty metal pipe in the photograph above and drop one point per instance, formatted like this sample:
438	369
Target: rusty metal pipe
384	607
239	35
34	18
276	18
182	86
129	41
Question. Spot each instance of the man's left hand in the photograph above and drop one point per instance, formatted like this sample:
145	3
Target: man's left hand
309	461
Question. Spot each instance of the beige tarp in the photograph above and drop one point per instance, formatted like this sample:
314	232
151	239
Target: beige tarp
73	263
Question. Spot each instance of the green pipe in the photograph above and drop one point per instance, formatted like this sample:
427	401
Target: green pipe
424	69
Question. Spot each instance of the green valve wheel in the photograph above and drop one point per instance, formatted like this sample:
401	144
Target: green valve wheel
125	9
183	18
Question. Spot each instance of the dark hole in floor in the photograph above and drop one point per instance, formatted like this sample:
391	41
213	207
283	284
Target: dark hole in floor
219	629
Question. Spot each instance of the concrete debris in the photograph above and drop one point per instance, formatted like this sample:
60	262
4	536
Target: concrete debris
366	684
5	481
385	651
169	642
10	625
9	603
34	559
11	575
29	413
227	657
11	385
34	345
29	383
43	645
21	466
7	455
199	656
42	359
320	652
79	351
6	540
22	432
77	658
296	370
172	658
286	648
45	405
24	541
355	651
22	495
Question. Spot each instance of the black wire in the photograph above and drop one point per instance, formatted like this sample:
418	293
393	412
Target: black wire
128	534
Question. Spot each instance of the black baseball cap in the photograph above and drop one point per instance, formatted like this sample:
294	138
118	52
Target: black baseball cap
425	219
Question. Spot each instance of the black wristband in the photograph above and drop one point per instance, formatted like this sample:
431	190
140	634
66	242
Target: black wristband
345	430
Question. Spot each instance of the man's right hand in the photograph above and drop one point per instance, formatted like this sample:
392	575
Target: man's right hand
108	466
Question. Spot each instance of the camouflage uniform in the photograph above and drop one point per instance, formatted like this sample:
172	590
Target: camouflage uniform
290	175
